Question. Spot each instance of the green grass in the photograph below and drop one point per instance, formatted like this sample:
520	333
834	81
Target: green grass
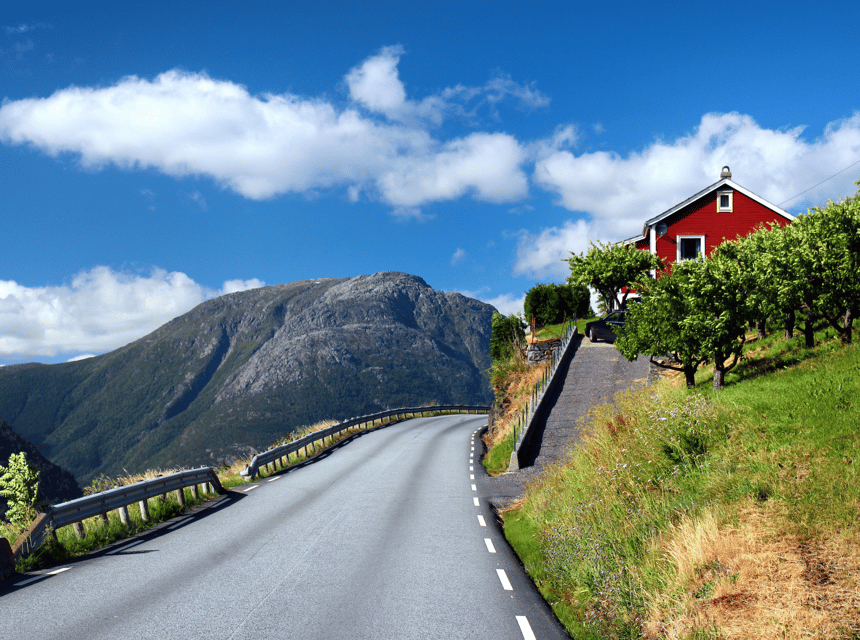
783	434
498	458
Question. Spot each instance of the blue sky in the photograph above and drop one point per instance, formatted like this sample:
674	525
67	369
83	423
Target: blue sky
157	155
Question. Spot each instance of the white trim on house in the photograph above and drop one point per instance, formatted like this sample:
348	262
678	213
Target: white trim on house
727	194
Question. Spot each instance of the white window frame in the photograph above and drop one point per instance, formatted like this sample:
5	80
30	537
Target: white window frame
720	195
678	240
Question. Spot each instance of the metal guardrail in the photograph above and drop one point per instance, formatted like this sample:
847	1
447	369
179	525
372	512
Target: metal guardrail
535	405
75	511
310	440
99	504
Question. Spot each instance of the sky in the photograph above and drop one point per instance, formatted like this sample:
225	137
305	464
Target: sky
158	155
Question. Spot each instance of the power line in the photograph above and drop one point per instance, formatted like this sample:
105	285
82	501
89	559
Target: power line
820	183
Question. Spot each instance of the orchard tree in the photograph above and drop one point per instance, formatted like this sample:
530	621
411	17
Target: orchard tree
655	327
696	314
830	252
19	485
610	268
552	303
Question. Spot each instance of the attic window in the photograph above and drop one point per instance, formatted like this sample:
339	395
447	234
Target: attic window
724	200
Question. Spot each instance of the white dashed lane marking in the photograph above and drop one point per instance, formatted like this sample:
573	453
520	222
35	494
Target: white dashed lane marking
525	628
40	576
503	578
475	502
481	521
474	487
490	547
250	488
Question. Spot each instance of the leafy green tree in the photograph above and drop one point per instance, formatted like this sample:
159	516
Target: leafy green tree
508	332
655	327
19	485
609	268
830	252
552	303
696	314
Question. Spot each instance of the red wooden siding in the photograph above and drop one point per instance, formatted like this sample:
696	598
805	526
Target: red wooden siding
701	218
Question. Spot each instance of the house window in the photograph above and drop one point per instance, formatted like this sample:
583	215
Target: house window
724	200
690	247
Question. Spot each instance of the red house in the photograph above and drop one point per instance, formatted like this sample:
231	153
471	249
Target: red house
720	212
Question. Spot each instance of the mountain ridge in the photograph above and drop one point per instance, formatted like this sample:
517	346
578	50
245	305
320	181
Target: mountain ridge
237	372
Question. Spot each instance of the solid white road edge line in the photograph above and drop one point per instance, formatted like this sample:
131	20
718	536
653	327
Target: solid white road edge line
490	547
179	524
503	578
525	628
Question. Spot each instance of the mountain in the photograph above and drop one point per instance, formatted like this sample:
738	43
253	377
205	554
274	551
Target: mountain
234	374
58	485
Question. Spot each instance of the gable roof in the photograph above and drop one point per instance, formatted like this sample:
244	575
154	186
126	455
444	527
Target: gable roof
725	182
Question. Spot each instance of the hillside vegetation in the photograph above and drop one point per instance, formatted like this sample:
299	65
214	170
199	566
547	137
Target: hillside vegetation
730	514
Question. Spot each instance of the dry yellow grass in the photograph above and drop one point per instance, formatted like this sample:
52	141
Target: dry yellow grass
751	581
518	385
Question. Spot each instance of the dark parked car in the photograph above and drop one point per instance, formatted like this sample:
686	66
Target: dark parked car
604	329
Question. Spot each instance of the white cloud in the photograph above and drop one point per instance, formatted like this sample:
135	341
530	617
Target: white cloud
183	124
620	193
459	256
508	303
98	311
544	256
376	83
484	164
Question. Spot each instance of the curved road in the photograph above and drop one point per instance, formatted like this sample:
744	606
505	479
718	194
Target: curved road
388	535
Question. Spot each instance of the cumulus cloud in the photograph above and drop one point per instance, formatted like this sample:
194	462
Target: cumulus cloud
376	85
620	193
544	255
101	309
260	146
508	303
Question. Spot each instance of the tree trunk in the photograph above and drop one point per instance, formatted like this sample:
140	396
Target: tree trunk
808	330
719	371
690	376
849	325
789	324
761	328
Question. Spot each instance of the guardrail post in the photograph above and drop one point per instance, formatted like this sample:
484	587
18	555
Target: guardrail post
104	519
180	497
195	491
78	528
144	510
123	515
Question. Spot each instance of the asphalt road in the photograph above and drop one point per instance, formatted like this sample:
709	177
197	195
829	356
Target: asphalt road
388	535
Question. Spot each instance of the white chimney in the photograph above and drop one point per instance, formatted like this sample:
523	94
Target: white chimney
725	173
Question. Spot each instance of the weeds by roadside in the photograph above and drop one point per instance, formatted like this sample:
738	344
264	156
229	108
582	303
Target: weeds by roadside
705	516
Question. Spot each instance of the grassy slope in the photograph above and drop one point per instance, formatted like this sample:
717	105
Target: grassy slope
710	515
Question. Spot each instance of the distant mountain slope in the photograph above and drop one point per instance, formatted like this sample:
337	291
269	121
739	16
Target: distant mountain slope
237	372
58	485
